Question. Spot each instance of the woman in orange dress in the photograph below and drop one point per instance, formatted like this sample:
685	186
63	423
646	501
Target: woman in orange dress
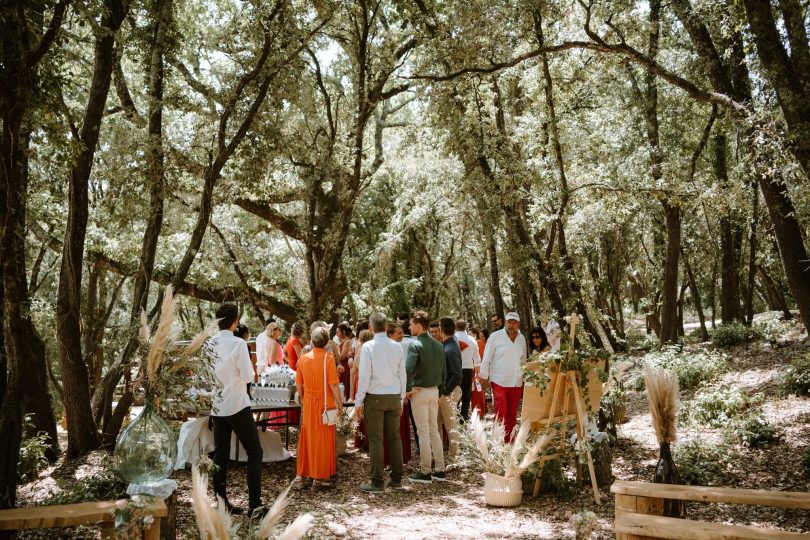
294	345
317	455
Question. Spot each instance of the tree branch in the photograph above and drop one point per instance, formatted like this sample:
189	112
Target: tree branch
264	210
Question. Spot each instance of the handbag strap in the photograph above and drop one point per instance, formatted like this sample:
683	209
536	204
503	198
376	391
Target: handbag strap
325	403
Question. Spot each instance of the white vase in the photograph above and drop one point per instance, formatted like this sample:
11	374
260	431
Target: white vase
502	490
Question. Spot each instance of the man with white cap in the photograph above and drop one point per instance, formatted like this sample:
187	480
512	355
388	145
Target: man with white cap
504	355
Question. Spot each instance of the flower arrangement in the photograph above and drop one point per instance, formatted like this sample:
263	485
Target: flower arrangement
505	459
346	423
170	371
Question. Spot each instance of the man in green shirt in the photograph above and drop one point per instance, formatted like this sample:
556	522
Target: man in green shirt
427	372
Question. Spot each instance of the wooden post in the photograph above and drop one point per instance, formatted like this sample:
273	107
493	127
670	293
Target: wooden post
168	529
582	420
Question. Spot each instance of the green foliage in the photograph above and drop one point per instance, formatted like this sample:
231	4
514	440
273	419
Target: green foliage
752	431
772	328
715	405
796	380
101	485
701	463
727	335
32	453
692	368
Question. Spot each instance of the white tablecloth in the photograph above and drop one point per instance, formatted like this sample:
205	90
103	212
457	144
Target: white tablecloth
196	439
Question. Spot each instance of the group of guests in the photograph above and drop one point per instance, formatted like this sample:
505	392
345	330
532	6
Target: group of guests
427	368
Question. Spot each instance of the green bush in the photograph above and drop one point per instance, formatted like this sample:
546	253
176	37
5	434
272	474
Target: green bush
797	378
32	454
752	431
772	328
692	368
715	405
727	335
701	463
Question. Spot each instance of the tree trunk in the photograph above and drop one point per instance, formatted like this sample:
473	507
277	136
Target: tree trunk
729	267
776	300
669	310
704	332
17	68
494	275
788	233
82	435
752	255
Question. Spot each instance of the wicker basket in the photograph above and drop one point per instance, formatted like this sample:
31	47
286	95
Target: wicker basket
502	491
340	444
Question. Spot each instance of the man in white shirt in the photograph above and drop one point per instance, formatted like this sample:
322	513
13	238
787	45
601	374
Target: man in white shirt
504	355
380	392
231	410
470	357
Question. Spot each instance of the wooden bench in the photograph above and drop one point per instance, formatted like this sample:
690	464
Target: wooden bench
639	506
71	515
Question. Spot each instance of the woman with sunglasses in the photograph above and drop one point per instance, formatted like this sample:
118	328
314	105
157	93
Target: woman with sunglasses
538	341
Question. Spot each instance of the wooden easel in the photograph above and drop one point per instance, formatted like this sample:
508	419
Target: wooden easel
566	383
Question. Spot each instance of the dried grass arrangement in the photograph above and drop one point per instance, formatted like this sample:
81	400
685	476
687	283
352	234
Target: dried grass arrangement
662	395
170	372
215	523
498	457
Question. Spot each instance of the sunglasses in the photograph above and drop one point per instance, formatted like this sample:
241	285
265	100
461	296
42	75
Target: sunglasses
535	337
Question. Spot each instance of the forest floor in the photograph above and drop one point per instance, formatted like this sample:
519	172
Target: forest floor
456	508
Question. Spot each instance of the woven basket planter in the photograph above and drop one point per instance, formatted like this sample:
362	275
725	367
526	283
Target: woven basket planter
340	444
502	491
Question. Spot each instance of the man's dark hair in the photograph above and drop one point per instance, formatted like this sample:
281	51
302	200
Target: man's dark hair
434	324
242	331
447	325
461	325
421	318
227	314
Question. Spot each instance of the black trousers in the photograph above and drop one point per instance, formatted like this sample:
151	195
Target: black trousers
243	425
466	393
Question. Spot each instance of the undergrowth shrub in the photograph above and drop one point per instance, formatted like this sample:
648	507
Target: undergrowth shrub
772	328
692	367
701	463
32	453
715	405
796	380
727	335
102	485
752	431
806	461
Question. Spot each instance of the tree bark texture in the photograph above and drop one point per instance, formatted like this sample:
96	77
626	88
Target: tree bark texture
82	434
17	85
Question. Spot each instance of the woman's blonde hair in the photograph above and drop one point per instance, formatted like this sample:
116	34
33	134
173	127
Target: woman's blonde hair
365	335
272	327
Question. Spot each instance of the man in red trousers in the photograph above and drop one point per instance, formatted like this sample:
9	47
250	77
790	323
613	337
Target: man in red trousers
504	356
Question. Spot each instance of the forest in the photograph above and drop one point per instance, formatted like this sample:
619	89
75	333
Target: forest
644	164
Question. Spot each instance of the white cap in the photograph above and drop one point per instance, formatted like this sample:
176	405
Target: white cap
512	316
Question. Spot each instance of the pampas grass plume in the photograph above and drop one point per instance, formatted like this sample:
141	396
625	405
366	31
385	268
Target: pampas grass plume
274	514
662	395
214	524
298	528
199	339
163	335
